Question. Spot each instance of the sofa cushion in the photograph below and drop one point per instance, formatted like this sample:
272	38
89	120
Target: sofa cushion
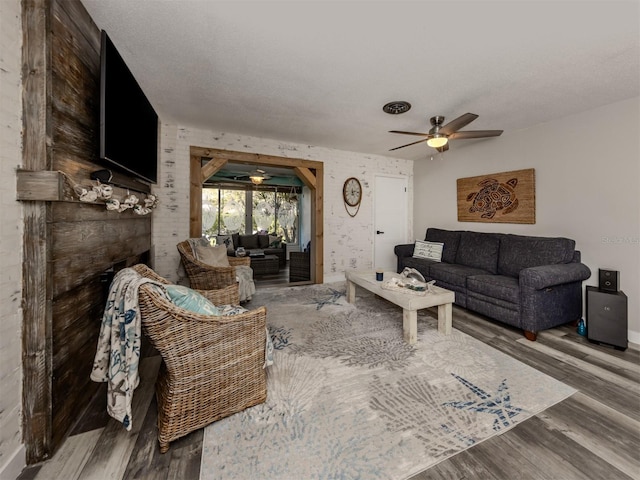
249	242
449	238
518	252
496	286
263	241
453	274
428	250
479	250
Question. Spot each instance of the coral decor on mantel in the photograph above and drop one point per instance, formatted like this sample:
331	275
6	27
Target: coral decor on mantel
103	192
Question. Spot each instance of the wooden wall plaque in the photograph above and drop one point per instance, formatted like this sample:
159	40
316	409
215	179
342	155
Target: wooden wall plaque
506	197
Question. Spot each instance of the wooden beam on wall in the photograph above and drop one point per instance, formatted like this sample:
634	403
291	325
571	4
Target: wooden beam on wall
212	167
307	176
195	195
36	271
318	231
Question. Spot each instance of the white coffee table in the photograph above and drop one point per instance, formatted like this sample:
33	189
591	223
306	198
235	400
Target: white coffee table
410	303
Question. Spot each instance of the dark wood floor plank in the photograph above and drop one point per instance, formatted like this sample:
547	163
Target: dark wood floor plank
537	360
499	457
559	456
186	457
618	365
146	461
114	448
606	433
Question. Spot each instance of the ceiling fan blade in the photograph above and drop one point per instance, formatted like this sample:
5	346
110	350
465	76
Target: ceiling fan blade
443	148
476	134
409	133
457	123
408	144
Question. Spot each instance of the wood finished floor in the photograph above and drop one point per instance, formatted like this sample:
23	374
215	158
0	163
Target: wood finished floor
594	434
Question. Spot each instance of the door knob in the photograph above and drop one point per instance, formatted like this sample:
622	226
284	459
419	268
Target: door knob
378	232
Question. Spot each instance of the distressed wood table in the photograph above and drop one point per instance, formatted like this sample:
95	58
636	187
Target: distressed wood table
410	303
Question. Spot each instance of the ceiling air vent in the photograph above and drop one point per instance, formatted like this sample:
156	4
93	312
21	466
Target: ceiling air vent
396	108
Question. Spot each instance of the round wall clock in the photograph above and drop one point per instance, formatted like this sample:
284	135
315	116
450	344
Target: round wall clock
352	194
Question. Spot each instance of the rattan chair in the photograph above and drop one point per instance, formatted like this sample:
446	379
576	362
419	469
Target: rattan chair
212	366
206	277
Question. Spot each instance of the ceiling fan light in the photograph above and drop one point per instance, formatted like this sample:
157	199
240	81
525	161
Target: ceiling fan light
256	179
437	141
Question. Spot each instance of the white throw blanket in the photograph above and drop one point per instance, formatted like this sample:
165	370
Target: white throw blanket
118	353
246	285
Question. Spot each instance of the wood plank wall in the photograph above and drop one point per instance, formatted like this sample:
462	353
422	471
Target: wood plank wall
68	245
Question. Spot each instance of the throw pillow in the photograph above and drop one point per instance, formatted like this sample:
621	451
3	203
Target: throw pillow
191	300
275	241
214	256
226	241
428	250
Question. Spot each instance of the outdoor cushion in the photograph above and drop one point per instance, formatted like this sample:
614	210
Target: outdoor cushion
263	241
250	242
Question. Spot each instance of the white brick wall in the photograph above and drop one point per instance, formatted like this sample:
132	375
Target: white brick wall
348	242
11	449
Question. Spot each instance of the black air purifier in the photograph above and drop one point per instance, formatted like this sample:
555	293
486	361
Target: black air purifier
607	317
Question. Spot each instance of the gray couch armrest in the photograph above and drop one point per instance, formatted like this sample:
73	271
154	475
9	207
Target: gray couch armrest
546	276
405	250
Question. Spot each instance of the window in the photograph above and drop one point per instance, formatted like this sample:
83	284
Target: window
224	211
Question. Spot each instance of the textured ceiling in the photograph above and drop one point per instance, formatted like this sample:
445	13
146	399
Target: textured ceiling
318	73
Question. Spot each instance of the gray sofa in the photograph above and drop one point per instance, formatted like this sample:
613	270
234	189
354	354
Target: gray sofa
532	283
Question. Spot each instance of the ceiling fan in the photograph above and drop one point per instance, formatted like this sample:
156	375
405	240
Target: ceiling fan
257	176
439	135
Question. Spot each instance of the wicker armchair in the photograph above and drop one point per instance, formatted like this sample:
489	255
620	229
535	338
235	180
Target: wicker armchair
212	366
206	277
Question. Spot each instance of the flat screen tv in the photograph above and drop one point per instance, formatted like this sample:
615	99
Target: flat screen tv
128	122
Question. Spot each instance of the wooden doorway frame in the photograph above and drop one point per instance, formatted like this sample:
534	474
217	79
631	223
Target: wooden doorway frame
311	173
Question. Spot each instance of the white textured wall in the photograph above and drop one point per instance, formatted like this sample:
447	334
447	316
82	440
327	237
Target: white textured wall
348	242
11	451
587	169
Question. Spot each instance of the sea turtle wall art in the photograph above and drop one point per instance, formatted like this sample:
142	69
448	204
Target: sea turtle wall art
507	197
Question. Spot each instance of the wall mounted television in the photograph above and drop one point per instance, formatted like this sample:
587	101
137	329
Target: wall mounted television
128	122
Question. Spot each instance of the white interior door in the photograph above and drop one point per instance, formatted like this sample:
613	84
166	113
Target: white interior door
390	219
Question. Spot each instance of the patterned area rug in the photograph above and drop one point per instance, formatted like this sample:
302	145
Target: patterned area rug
349	399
